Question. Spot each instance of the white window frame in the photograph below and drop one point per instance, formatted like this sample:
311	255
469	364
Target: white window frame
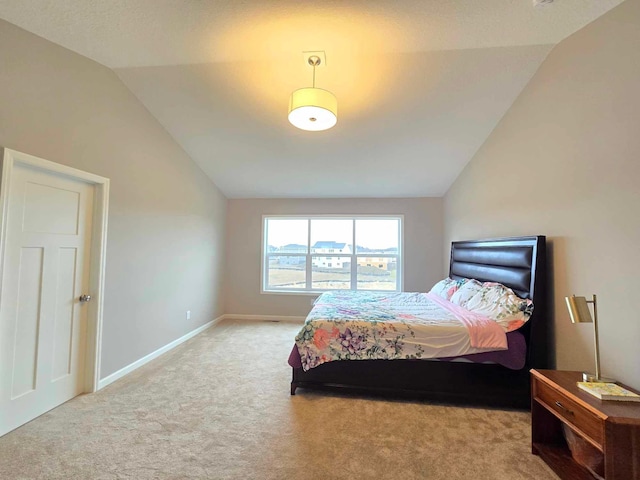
264	255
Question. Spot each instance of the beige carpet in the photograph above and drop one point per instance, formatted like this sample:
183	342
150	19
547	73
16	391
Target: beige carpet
218	407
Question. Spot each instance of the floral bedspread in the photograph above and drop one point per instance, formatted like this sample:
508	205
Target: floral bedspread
358	325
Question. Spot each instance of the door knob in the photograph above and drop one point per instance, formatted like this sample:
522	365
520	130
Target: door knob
85	298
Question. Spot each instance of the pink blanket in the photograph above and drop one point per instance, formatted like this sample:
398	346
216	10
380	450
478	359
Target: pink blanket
483	332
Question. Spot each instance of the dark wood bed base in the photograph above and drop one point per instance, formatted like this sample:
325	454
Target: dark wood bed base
519	263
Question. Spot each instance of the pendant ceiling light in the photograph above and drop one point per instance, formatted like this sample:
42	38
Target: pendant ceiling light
312	108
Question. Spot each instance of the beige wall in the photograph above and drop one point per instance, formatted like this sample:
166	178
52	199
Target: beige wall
422	246
565	162
166	221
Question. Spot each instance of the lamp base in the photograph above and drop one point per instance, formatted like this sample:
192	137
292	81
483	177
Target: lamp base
590	377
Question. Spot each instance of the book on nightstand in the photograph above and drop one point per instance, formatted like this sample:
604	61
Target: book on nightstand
609	391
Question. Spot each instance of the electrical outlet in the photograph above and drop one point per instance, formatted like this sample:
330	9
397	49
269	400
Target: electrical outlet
188	314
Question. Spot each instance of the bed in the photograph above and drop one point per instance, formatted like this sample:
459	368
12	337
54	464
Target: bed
478	378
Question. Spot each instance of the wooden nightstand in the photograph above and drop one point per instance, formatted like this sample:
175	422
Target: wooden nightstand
612	427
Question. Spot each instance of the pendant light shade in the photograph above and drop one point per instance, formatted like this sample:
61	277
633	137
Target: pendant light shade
313	109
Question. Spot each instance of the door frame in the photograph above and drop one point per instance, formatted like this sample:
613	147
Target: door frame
9	158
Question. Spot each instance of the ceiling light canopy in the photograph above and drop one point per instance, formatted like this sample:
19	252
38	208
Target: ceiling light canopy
312	108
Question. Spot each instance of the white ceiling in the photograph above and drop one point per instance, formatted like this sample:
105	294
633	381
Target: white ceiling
420	84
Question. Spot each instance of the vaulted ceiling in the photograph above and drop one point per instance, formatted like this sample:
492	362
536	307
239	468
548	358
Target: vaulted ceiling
420	84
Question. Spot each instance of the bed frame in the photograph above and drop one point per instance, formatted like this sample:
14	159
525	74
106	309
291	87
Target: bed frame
519	263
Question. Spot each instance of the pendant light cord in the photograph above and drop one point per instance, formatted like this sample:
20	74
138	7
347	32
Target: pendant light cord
314	61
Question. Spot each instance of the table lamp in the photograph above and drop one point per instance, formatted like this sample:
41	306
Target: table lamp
579	312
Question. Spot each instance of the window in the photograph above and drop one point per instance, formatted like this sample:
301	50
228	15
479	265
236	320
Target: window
299	253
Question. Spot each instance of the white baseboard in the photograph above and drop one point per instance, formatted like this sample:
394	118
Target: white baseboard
265	318
146	359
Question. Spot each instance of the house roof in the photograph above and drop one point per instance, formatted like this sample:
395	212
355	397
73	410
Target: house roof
293	246
329	244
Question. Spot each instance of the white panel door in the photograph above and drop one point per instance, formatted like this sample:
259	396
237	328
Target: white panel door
46	270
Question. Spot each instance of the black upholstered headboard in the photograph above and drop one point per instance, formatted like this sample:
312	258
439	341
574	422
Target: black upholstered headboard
520	263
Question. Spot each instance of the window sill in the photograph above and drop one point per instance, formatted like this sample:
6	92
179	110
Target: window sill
308	293
315	293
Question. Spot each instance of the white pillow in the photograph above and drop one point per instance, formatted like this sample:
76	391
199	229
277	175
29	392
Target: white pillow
465	292
447	287
441	288
499	303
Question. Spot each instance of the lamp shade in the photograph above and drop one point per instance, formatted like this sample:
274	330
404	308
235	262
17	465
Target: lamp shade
578	309
313	109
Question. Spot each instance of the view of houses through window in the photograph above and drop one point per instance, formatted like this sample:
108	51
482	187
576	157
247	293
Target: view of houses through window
322	253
